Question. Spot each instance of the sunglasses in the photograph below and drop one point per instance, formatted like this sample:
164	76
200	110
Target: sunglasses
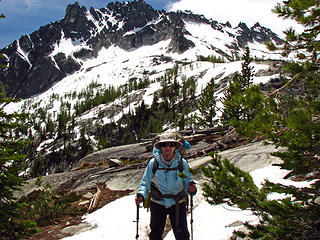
167	144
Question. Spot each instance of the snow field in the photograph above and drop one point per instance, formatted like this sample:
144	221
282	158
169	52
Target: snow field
115	221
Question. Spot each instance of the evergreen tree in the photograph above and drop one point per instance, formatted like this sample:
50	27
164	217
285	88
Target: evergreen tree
50	127
191	89
85	146
294	217
155	104
207	106
242	99
11	159
247	72
184	88
154	125
289	121
232	101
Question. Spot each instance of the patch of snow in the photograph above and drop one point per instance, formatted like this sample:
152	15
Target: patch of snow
116	219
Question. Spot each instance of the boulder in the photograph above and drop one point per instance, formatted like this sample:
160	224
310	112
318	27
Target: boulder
114	162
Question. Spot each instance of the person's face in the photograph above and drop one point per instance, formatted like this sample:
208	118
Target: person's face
167	149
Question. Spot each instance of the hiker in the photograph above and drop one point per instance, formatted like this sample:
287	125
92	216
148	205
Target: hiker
167	181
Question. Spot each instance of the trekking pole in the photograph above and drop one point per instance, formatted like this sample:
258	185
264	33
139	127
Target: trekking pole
191	220
137	221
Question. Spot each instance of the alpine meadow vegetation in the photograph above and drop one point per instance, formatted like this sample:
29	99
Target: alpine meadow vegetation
286	119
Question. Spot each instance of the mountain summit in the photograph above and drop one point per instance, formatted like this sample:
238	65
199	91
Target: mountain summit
36	61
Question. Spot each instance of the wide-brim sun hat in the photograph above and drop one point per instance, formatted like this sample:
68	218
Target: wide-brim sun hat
167	137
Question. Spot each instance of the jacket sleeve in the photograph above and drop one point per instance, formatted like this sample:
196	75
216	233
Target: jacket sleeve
188	179
145	182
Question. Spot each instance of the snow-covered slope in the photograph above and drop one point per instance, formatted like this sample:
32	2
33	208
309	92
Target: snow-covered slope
115	66
115	220
79	63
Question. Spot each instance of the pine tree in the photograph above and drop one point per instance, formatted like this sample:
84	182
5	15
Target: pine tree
207	106
290	218
242	99
247	72
232	101
11	159
289	121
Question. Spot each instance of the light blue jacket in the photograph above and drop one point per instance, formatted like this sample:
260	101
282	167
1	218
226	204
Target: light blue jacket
168	182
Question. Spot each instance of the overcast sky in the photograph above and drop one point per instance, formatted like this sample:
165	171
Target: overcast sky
26	16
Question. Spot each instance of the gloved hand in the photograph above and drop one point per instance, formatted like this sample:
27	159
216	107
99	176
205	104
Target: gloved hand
139	199
192	189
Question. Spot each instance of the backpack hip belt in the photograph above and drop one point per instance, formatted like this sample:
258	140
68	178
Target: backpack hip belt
158	196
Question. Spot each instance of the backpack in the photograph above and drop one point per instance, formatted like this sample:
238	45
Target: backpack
155	167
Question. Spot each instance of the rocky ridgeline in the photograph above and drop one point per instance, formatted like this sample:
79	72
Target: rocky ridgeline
128	25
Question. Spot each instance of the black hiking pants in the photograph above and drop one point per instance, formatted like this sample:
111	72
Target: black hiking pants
158	220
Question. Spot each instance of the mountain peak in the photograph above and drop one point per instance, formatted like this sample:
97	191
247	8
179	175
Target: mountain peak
73	11
257	24
127	25
126	4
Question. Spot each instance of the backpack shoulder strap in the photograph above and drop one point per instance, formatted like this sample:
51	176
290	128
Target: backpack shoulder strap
180	166
155	166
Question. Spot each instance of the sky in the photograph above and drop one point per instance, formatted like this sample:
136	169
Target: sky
26	16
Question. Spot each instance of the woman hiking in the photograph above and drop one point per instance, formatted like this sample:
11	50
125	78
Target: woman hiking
168	181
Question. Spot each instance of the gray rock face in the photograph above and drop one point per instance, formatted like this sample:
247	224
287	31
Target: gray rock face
255	33
252	156
128	25
247	157
67	65
134	151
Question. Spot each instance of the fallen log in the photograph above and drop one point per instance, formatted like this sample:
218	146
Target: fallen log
94	200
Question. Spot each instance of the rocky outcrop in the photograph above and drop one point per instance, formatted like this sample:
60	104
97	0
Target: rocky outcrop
245	156
256	33
35	63
66	64
121	167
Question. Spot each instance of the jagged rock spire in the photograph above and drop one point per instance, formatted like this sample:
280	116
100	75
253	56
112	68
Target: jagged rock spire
128	25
